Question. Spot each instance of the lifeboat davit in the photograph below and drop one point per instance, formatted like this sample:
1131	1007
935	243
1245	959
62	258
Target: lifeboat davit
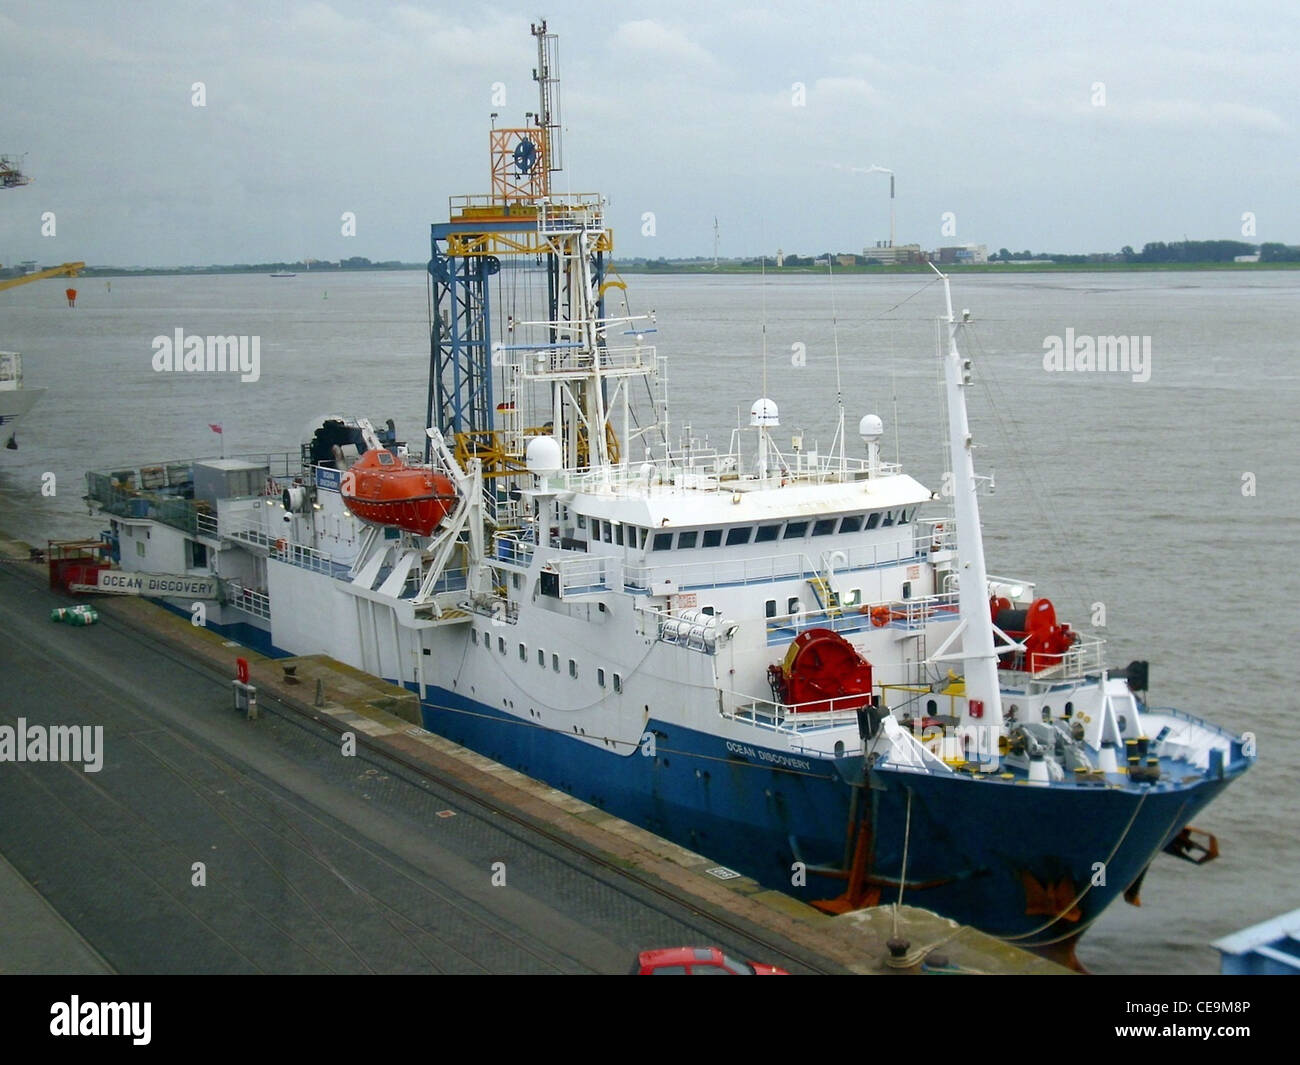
381	489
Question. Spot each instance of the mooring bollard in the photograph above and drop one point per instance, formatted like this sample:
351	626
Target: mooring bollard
320	692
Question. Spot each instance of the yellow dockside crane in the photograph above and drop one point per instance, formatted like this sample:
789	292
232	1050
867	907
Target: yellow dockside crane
62	270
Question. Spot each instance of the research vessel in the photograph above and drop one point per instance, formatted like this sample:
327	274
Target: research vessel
793	663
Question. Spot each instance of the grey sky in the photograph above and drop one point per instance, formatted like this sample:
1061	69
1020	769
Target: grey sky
683	109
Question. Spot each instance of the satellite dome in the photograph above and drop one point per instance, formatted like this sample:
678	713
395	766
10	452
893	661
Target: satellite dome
763	412
871	428
544	455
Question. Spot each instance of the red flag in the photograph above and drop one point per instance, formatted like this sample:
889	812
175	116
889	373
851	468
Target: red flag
214	428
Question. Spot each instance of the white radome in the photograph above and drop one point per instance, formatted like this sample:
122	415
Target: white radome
763	412
871	428
544	455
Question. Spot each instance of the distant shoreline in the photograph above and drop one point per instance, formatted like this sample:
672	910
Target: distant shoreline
771	269
707	269
922	268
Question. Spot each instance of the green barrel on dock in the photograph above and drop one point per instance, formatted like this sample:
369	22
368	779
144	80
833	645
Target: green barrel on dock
83	616
59	613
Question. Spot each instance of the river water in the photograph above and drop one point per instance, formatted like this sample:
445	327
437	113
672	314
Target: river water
1172	501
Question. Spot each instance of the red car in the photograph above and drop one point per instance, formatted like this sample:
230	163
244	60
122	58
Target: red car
698	961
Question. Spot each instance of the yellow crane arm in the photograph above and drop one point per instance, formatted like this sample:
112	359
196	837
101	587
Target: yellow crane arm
63	270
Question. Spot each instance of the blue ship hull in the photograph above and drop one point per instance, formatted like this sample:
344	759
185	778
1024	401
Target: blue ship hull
983	852
1032	864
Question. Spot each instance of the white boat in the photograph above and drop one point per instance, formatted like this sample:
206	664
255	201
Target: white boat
15	400
791	661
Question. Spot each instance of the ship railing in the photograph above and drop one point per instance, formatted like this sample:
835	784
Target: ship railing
1191	719
515	550
1084	657
544	361
686	576
489	202
584	574
560	216
173	510
250	602
815	467
243	521
452	579
787	717
304	557
935	534
906	614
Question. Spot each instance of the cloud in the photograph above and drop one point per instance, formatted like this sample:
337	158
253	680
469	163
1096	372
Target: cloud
649	40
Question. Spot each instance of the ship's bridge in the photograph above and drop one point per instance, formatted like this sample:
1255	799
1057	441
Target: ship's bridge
744	501
663	538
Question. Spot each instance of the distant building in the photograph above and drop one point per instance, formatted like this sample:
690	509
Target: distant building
969	254
883	252
846	260
1246	258
780	257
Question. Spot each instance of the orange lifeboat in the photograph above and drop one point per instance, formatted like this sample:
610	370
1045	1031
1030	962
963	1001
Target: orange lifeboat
381	489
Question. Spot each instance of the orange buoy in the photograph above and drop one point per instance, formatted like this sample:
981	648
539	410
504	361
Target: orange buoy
72	296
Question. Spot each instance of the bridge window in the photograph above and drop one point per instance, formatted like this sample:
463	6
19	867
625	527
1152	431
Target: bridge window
766	533
795	529
501	644
523	653
573	668
712	537
618	534
793	606
618	683
555	663
473	636
887	520
739	535
687	539
824	527
873	520
541	658
769	608
582	521
600	677
851	523
662	542
853	598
